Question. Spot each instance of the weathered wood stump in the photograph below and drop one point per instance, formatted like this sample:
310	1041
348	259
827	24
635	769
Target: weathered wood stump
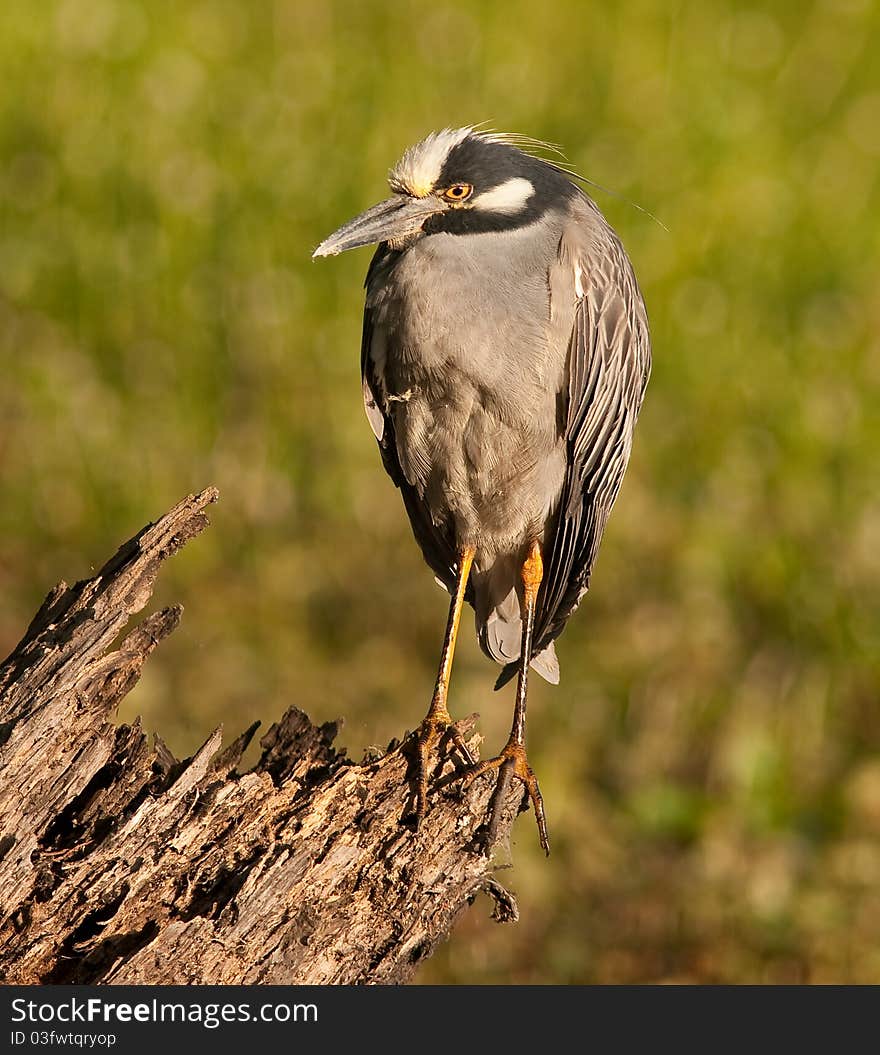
121	864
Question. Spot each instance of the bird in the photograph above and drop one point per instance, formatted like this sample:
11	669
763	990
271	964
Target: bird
504	360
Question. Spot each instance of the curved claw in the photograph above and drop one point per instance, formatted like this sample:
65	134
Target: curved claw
428	736
512	762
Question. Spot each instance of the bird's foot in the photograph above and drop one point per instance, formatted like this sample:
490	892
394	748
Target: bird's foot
512	762
434	728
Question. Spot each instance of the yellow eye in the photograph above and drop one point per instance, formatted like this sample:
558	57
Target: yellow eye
458	192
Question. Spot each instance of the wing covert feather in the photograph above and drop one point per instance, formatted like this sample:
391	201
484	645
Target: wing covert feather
609	362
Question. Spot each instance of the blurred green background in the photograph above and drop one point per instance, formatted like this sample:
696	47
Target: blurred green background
710	761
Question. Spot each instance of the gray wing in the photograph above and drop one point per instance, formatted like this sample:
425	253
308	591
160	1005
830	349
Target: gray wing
438	551
609	362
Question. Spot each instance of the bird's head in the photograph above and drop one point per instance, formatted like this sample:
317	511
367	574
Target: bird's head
459	181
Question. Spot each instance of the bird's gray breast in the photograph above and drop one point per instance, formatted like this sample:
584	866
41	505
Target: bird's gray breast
469	365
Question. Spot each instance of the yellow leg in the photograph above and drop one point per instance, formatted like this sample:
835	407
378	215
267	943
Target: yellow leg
438	721
512	761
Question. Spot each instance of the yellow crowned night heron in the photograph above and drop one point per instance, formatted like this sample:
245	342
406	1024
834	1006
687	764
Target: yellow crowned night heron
504	359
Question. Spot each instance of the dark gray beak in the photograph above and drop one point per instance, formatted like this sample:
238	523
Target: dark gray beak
389	221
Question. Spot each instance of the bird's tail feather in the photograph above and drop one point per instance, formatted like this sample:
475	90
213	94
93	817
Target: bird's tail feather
499	625
545	663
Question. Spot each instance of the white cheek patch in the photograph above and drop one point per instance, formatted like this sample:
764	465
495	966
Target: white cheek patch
508	197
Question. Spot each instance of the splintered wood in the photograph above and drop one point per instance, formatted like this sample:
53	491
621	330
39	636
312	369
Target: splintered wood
121	864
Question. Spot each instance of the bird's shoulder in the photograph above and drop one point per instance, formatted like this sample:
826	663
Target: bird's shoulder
594	282
597	264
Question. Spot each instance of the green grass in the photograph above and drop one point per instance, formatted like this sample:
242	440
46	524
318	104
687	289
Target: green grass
710	761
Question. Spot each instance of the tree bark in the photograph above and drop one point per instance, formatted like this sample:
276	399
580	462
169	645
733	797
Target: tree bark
121	864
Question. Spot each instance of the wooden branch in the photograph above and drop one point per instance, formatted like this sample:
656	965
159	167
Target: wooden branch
120	864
